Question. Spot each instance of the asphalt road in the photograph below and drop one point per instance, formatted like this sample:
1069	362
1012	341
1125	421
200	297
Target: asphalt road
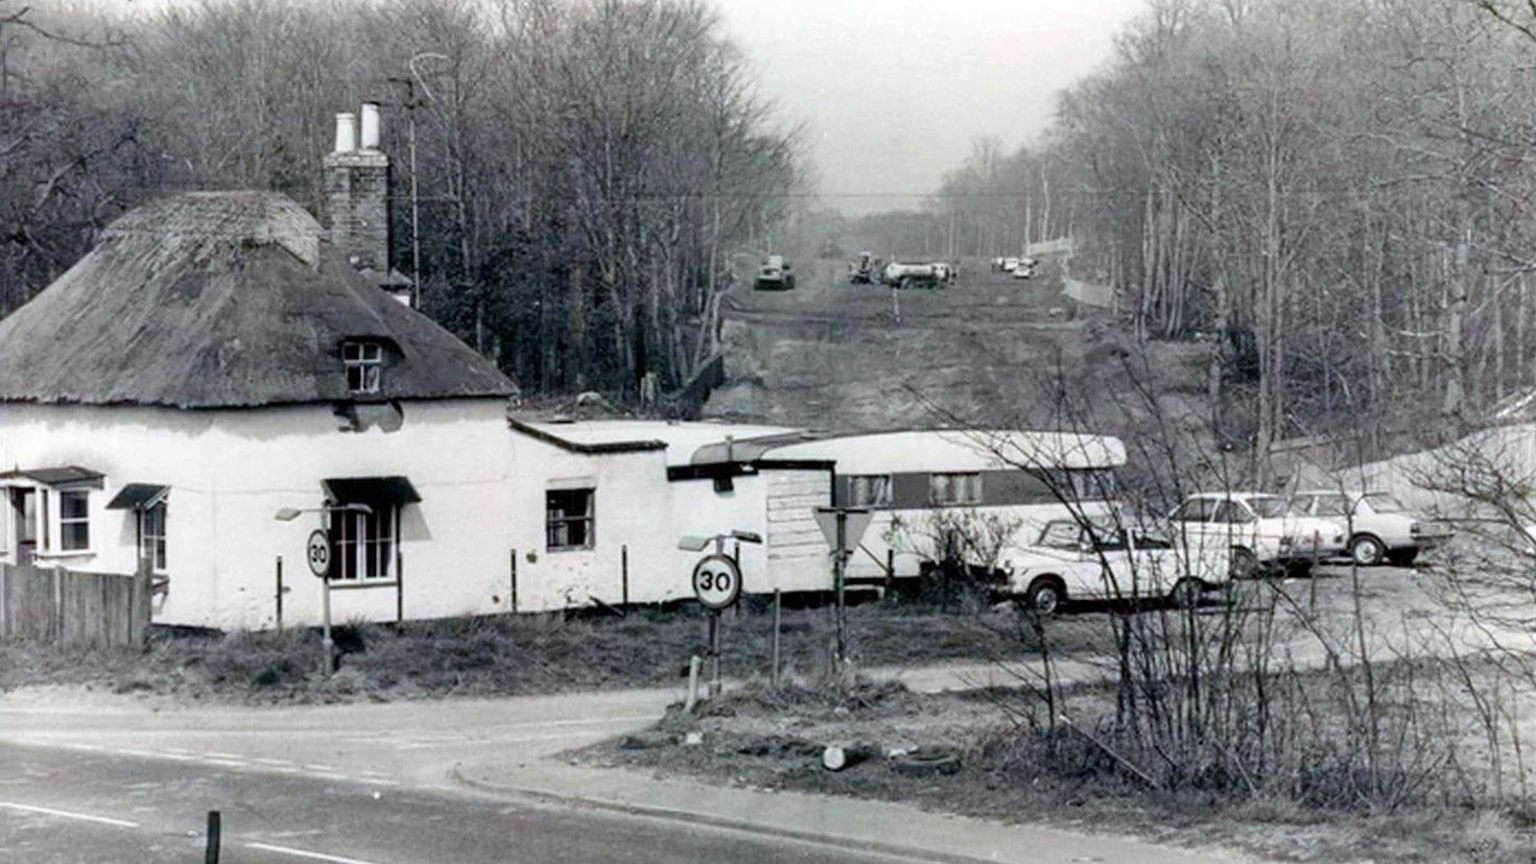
62	806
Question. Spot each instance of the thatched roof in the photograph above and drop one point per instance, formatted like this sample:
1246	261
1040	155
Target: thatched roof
221	300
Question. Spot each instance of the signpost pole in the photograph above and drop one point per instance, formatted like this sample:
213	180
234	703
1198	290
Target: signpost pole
714	654
326	645
838	578
778	608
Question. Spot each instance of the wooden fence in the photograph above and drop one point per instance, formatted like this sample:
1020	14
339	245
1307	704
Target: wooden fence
64	607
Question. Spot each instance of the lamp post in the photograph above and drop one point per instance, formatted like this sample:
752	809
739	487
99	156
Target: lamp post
288	514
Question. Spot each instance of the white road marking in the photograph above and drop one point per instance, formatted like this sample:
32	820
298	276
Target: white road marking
279	763
66	814
223	756
226	763
302	853
319	767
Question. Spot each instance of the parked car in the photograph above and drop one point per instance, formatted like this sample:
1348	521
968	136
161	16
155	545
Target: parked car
1380	529
1010	264
1261	532
1024	269
774	275
1077	560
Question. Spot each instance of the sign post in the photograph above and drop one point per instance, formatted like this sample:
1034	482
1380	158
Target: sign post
717	584
842	526
318	552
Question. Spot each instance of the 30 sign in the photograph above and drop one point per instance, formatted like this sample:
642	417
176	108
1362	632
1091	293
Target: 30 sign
318	551
717	581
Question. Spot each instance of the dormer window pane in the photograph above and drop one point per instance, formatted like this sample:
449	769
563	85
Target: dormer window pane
363	361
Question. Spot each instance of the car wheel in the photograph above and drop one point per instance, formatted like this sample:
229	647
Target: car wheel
1186	592
1045	597
1243	563
1403	557
1365	550
906	283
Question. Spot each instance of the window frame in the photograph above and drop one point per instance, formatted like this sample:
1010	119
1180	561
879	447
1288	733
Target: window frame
942	485
365	358
152	545
554	524
83	521
366	543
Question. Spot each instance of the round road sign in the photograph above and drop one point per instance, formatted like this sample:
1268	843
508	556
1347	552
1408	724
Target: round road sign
318	550
716	581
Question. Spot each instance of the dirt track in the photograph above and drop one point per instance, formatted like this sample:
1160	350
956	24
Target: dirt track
831	354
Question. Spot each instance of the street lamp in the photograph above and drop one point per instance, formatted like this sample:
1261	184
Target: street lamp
288	514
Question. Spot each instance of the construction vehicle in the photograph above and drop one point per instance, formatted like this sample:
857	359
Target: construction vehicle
774	275
898	274
861	271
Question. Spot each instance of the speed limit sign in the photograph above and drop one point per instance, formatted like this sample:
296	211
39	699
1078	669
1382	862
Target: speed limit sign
318	550
717	581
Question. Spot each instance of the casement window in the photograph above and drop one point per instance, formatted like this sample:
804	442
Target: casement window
869	490
568	519
363	544
953	489
152	536
364	362
74	520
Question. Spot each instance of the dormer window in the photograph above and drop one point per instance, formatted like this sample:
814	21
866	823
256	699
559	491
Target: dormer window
364	362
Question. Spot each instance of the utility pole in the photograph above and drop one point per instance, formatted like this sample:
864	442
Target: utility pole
410	113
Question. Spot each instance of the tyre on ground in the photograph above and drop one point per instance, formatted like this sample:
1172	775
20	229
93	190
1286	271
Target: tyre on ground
1045	596
1366	550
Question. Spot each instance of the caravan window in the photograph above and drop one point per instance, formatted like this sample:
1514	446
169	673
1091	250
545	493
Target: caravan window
869	490
951	489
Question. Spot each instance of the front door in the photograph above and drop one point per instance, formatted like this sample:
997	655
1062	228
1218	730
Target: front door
24	517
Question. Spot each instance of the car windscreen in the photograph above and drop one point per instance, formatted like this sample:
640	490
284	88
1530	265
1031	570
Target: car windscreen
1381	502
1270	507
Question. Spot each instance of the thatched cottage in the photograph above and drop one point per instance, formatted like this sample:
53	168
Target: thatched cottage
217	359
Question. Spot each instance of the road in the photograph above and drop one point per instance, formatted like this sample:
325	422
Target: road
61	806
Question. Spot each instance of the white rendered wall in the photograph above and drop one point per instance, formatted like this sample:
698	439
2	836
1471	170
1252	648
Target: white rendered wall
230	471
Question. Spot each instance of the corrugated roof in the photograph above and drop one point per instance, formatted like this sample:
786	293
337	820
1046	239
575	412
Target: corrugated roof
223	300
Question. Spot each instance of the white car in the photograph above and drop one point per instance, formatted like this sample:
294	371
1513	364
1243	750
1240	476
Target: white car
1380	529
1024	269
1010	264
1076	560
1260	532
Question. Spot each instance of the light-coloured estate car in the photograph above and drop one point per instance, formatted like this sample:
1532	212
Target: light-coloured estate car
1380	529
1073	560
1260	532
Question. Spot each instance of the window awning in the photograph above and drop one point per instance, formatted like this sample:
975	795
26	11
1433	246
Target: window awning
69	475
370	490
138	496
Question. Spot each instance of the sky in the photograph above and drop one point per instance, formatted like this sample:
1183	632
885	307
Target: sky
892	92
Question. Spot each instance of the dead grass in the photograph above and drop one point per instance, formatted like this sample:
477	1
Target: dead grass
515	655
762	737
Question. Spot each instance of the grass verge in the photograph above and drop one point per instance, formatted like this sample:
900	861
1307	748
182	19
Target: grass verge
511	655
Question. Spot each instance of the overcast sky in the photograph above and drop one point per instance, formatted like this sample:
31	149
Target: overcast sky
893	91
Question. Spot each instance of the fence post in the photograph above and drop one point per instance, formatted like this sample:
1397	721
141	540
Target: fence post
514	580
624	572
279	594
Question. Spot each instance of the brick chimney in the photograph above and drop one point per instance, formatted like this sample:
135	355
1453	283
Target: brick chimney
357	192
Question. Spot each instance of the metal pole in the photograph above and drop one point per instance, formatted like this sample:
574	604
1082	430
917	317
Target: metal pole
326	645
778	607
624	571
415	204
714	653
399	580
514	580
211	856
840	562
279	592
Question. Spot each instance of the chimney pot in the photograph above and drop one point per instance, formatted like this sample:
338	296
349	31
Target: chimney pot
370	137
346	133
